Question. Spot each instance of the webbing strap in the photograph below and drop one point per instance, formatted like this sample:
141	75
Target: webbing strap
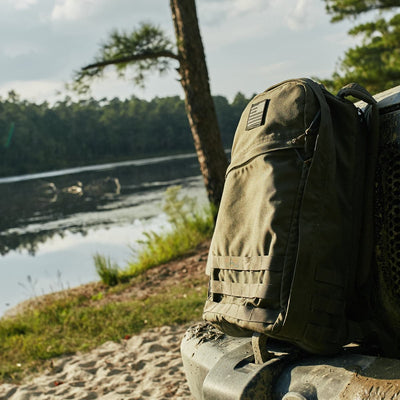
367	232
367	239
372	118
249	290
254	263
357	91
241	312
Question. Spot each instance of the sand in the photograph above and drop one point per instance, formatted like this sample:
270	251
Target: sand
146	366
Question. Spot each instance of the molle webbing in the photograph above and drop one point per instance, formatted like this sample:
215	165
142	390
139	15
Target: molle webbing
250	290
244	282
240	314
255	263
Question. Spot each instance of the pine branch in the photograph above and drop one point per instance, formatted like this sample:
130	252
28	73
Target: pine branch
132	58
341	9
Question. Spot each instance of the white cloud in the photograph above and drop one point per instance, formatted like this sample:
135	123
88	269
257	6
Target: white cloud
241	21
297	14
22	4
72	10
215	12
34	90
239	36
303	15
233	22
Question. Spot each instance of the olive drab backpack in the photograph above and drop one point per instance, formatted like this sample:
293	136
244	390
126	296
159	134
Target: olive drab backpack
291	251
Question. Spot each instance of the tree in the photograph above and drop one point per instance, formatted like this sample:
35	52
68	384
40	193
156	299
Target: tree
375	63
340	9
147	49
42	137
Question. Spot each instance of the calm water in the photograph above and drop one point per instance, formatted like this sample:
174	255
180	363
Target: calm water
51	224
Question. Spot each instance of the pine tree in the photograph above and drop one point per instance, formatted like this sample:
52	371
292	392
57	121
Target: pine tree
148	49
375	63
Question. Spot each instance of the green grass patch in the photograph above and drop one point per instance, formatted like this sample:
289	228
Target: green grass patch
190	225
73	324
108	271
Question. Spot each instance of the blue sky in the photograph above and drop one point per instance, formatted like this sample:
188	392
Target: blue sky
250	44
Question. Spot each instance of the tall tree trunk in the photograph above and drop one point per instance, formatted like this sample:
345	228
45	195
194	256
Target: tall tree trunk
198	101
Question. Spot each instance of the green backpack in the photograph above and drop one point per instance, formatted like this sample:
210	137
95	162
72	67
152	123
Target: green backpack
291	252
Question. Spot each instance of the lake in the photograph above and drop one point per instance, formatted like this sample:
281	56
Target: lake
52	223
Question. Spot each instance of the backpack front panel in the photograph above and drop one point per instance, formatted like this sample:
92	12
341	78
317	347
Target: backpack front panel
286	258
253	250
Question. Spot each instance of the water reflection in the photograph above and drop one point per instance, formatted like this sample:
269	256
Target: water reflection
34	210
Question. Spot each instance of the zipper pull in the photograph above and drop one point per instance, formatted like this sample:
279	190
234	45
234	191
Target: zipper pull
298	139
311	135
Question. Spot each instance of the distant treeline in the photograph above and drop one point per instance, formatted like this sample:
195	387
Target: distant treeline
39	137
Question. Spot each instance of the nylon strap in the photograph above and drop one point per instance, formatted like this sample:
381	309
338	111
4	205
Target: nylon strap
357	91
249	290
255	263
243	313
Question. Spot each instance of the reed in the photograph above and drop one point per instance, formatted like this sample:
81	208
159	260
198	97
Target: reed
190	226
108	271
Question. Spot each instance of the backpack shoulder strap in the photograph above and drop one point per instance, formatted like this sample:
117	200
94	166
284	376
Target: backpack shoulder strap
370	115
357	91
366	330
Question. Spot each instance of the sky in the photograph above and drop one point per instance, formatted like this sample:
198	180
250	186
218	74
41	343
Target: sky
249	44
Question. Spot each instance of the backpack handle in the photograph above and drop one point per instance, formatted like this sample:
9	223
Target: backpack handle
357	91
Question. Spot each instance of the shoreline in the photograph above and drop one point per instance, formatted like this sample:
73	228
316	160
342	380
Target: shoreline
195	258
144	366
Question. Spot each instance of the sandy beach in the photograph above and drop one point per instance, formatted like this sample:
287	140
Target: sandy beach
145	366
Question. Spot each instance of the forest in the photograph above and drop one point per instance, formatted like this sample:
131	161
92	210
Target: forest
43	137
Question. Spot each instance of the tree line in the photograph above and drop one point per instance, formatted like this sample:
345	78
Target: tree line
39	137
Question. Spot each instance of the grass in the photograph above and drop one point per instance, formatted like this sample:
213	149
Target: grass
74	323
161	248
78	321
190	225
108	271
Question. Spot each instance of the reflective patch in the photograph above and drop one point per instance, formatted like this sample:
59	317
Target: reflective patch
257	114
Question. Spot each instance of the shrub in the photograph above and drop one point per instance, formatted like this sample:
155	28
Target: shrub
190	225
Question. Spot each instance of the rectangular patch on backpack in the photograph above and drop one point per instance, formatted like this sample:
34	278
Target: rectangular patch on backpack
257	114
